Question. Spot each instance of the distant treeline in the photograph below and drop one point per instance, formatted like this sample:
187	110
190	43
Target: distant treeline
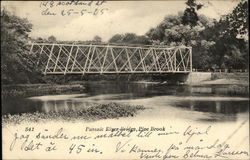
217	44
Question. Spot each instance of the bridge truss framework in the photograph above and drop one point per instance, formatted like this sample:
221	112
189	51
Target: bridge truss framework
110	59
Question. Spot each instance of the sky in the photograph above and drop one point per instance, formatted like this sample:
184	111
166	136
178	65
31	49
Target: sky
113	17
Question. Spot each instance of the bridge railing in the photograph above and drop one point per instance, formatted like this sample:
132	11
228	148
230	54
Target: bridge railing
103	59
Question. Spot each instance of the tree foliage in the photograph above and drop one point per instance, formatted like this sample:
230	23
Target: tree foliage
97	39
190	16
216	44
230	35
129	38
52	39
172	32
15	66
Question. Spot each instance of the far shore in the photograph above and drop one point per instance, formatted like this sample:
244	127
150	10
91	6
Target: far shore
226	81
237	80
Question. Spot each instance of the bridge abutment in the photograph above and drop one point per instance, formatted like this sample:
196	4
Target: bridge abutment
197	77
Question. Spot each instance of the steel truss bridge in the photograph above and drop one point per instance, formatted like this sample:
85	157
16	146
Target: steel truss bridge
110	59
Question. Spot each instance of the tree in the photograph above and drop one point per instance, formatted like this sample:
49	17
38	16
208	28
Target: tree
172	32
97	39
117	38
129	38
237	22
15	65
52	39
142	40
190	16
231	45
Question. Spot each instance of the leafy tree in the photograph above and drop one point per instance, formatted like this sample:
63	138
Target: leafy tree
142	40
15	65
237	22
40	40
231	45
117	38
215	43
172	32
97	39
190	16
129	38
52	39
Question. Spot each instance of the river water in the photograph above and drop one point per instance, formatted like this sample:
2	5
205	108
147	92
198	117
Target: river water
173	107
209	103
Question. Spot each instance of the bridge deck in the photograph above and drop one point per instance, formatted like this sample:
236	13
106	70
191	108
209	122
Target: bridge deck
135	72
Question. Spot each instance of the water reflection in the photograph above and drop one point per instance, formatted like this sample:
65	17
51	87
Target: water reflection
20	105
216	110
211	103
224	107
134	90
60	105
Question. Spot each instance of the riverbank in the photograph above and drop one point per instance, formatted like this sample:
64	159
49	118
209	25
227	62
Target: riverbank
93	113
24	90
217	78
228	78
226	81
238	82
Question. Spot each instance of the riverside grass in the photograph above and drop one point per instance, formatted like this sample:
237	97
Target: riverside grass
96	112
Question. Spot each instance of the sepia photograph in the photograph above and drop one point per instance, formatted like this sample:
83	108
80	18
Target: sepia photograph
155	80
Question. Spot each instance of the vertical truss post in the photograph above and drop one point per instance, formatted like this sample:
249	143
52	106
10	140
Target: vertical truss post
50	55
182	60
191	65
141	60
175	59
57	58
172	60
111	50
75	59
91	58
38	61
166	60
104	59
130	66
87	59
155	62
31	48
66	67
98	57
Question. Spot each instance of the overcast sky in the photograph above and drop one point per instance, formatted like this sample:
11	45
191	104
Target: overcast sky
118	17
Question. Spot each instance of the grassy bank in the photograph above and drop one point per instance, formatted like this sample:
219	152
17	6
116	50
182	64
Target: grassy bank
101	111
230	76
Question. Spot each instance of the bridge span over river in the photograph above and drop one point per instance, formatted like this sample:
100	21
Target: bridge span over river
63	59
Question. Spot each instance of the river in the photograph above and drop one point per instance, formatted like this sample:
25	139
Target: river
175	107
207	103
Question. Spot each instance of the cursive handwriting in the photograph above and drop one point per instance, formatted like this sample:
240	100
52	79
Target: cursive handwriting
190	132
189	143
74	7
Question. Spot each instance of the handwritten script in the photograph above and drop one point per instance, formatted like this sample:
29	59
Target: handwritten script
73	8
151	142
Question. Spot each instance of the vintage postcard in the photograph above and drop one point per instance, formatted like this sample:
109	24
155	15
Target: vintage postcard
159	80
